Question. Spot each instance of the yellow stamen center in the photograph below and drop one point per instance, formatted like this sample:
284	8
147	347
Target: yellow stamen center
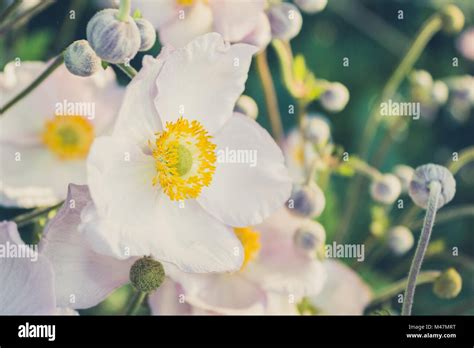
250	240
185	159
68	137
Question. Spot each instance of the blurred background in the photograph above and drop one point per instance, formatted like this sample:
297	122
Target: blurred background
371	35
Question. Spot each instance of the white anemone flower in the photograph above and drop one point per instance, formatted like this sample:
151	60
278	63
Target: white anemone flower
45	138
26	276
180	21
344	292
275	275
178	169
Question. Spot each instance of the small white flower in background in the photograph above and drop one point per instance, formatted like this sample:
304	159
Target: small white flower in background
156	181
344	292
274	277
285	21
180	21
27	278
335	98
316	129
465	43
44	148
311	6
400	239
386	189
298	155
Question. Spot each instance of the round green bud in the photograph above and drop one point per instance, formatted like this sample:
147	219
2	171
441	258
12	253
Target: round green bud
147	274
448	284
453	19
81	60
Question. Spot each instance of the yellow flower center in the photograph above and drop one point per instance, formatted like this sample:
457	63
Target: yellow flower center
250	240
69	137
185	159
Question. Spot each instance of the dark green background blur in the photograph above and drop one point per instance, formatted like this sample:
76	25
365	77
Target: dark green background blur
347	28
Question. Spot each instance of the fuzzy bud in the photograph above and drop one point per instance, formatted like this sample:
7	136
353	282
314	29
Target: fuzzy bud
400	239
404	174
421	79
310	237
311	6
316	130
81	60
147	274
335	98
307	201
419	186
147	34
261	35
113	40
386	189
247	106
285	21
448	284
453	19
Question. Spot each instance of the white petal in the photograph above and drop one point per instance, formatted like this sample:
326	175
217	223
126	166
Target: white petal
235	19
203	80
344	292
187	24
243	194
159	14
221	293
168	300
83	278
27	286
138	119
138	219
34	176
279	304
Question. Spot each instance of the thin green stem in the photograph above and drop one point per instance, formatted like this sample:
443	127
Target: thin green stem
27	218
9	10
128	70
364	168
399	286
435	192
24	17
450	214
466	156
124	10
271	100
51	68
136	302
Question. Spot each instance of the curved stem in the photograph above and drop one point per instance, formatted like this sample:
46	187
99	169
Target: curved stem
449	215
24	17
397	287
128	70
124	10
271	100
51	68
466	156
136	302
9	10
435	191
364	168
25	219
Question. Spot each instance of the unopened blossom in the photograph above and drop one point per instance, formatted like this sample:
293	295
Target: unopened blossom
180	21
465	43
43	148
157	182
274	277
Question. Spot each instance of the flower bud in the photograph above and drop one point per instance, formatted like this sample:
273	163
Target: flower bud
147	34
336	97
311	6
448	284
419	186
400	239
404	174
422	79
147	274
81	60
316	130
113	40
465	43
310	237
307	201
247	106
439	92
386	189
453	19
285	21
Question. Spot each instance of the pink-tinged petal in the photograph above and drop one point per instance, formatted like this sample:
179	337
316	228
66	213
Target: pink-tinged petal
134	218
27	285
203	81
186	24
138	119
236	19
169	300
83	278
243	194
344	292
221	293
34	176
158	13
261	35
